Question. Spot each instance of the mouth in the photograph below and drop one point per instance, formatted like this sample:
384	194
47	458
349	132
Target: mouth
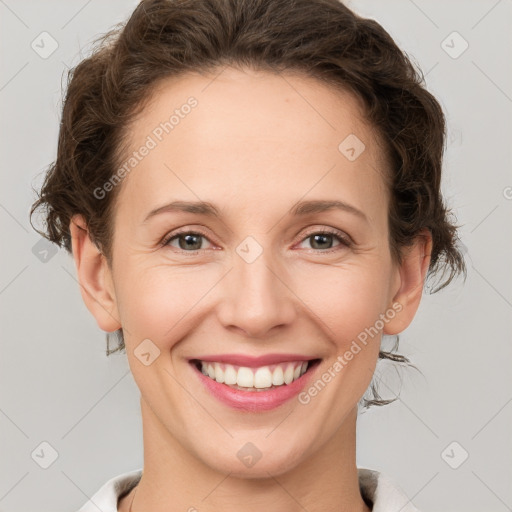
254	388
255	378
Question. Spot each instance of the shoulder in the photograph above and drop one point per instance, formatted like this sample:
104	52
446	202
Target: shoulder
378	490
106	498
382	493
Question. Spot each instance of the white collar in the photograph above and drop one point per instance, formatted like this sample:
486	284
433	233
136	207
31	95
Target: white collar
377	490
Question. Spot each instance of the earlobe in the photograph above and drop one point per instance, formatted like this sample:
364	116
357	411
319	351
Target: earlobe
411	278
94	276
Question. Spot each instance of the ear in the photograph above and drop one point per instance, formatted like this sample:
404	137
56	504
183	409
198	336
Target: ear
94	276
410	278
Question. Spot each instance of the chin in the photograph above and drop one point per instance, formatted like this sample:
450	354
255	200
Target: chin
249	462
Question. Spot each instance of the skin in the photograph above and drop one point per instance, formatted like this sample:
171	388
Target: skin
256	144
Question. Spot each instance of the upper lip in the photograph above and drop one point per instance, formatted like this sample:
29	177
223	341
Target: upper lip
253	362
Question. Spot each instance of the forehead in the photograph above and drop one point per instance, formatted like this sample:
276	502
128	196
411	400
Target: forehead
240	137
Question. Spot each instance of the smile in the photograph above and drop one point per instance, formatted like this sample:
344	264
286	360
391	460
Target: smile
254	379
255	388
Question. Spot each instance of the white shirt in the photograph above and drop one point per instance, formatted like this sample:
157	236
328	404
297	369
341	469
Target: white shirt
378	490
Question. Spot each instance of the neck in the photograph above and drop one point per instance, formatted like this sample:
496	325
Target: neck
326	480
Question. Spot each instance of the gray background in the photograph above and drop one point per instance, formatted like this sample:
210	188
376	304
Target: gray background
57	385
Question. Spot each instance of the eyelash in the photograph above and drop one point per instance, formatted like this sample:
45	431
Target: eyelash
344	240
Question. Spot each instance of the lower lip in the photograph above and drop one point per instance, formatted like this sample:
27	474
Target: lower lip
255	401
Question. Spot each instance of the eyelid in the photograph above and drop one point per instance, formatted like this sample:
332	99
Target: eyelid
325	230
183	231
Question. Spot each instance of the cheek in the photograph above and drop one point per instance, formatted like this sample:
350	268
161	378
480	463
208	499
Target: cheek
346	300
161	302
157	303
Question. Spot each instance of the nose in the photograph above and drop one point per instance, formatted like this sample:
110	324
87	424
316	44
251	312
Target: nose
256	297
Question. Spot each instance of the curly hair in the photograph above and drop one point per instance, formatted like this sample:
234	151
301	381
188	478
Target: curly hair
322	39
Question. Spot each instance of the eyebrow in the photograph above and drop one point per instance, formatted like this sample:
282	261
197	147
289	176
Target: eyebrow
301	208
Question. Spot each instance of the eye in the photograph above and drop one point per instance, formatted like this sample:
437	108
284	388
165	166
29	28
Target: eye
188	241
191	241
322	240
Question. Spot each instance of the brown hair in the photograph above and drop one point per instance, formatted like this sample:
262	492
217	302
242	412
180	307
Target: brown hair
319	38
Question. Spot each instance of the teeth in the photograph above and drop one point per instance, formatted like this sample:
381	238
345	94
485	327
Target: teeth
288	374
278	377
260	378
230	375
245	378
219	374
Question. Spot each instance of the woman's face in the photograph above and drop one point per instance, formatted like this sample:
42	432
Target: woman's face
257	278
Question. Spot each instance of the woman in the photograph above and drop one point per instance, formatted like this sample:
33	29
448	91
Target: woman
208	151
